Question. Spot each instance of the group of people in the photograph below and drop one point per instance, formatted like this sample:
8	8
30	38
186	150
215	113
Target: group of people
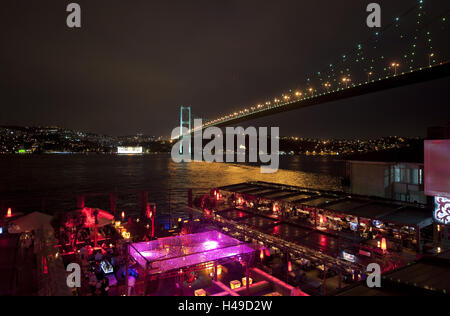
91	262
100	282
99	285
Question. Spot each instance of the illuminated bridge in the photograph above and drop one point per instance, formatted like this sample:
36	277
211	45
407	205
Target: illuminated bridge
413	48
416	76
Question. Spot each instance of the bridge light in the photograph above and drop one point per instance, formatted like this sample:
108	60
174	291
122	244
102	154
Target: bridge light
395	65
346	81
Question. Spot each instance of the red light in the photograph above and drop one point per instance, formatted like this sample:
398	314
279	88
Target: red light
289	266
9	213
276	230
267	252
44	263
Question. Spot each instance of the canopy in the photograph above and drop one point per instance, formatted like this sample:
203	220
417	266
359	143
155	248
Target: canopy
104	218
178	252
30	222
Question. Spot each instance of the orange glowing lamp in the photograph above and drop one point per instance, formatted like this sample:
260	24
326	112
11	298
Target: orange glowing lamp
261	255
200	292
244	281
219	270
9	213
123	215
235	284
384	245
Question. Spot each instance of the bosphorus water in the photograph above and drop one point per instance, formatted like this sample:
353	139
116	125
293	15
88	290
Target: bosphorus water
51	182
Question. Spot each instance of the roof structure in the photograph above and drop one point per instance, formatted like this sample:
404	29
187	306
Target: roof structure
339	202
430	275
174	253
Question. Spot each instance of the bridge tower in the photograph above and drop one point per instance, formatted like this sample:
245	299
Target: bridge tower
185	122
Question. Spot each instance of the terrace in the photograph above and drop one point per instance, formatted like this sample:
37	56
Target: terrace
202	264
183	252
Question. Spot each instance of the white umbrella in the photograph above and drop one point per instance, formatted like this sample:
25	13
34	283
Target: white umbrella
30	222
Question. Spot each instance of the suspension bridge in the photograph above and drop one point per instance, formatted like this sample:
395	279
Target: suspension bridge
412	49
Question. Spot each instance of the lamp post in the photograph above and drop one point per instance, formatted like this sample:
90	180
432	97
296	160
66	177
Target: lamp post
395	66
346	80
369	74
96	228
327	86
430	56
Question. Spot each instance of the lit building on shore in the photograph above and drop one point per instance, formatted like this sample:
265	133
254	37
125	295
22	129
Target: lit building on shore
130	150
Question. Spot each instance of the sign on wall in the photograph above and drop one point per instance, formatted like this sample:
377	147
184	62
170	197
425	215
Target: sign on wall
442	210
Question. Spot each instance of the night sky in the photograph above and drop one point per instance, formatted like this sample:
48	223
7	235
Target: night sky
133	63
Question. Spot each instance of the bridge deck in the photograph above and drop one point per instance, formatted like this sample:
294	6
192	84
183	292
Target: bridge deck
405	79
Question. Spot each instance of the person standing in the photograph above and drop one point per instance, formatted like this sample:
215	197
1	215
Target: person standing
105	286
131	284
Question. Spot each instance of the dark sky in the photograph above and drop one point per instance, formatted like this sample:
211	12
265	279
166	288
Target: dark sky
133	63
